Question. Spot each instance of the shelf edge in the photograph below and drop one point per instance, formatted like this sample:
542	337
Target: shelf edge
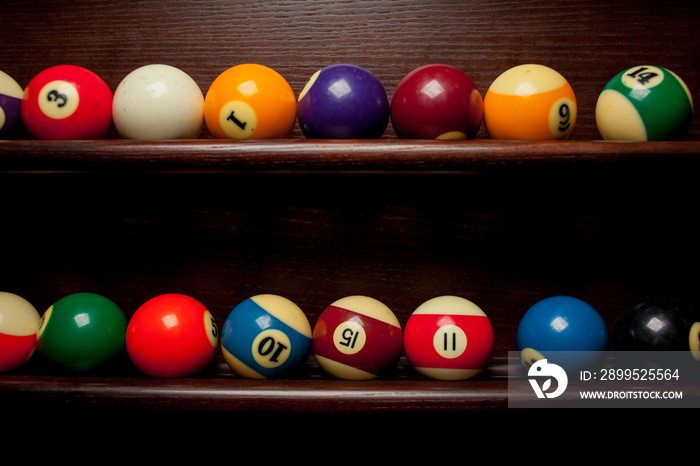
351	156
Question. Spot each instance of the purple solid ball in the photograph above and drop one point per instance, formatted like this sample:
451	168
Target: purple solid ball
11	119
11	94
343	102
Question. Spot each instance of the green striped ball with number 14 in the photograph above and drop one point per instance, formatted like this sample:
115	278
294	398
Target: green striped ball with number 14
644	103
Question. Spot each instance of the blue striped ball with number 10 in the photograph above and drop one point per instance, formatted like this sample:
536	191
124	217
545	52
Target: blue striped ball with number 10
265	337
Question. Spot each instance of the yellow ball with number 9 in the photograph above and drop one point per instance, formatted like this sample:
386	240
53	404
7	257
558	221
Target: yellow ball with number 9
530	102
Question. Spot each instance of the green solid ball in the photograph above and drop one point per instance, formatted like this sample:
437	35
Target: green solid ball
81	331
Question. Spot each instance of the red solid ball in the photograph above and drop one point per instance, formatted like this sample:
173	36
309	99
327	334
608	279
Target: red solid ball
67	102
171	335
436	102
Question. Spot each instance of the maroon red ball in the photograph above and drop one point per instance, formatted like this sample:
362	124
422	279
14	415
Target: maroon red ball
437	102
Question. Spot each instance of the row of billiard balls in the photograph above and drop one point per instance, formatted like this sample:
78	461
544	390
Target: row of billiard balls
340	101
355	338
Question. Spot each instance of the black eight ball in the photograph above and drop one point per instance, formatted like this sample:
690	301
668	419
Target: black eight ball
657	323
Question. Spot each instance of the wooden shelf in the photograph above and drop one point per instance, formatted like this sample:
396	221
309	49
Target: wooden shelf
503	223
219	390
350	156
311	391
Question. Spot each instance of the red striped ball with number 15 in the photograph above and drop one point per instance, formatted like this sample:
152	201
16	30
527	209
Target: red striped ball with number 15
357	338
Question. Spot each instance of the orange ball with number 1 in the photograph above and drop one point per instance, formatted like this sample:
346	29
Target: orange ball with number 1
250	101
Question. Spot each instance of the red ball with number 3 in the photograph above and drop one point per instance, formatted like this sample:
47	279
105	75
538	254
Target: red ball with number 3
171	335
67	102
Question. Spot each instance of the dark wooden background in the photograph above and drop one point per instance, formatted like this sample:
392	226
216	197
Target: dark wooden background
504	234
502	241
587	42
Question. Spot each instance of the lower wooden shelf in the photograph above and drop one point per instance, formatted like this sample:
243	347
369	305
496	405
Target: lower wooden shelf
574	234
218	390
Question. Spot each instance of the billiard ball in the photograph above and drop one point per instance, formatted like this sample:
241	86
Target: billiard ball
448	338
357	338
171	335
343	101
19	321
530	102
158	102
644	103
67	102
81	331
436	102
250	101
564	330
657	323
265	336
11	94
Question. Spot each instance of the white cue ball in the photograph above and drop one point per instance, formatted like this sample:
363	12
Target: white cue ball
158	102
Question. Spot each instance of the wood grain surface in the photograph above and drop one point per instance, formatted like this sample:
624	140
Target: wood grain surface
587	42
501	223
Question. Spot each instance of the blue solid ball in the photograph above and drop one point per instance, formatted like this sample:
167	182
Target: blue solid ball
562	329
343	101
265	336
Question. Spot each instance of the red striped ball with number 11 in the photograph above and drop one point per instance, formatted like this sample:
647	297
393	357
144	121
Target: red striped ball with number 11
448	338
